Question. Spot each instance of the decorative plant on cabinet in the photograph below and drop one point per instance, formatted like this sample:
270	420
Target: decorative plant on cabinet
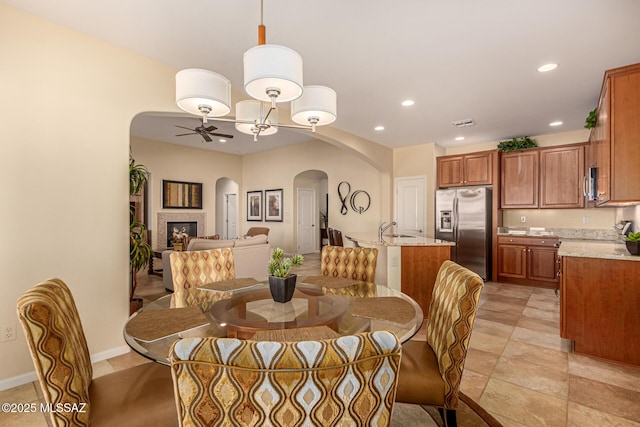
139	250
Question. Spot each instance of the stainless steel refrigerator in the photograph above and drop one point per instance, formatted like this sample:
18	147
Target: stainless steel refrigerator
463	215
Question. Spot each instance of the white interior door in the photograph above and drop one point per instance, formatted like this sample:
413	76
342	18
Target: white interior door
410	205
307	216
231	216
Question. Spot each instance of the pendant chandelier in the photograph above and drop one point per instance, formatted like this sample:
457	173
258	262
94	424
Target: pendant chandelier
272	74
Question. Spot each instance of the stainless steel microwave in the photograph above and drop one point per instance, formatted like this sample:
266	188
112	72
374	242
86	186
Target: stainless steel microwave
590	184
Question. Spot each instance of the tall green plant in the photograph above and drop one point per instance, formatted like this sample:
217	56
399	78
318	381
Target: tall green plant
139	250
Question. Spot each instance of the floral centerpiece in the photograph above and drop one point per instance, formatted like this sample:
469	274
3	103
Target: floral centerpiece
281	282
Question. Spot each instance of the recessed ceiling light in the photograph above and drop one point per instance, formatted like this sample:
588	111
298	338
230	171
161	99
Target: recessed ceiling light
222	141
547	67
460	138
378	128
557	123
407	103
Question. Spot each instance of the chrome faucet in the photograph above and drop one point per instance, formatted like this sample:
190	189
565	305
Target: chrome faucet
382	228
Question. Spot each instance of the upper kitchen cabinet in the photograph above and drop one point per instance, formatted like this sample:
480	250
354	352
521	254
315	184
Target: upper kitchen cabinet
615	141
519	179
547	178
467	169
561	177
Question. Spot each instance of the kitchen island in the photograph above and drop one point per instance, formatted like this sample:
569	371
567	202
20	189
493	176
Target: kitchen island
406	263
599	299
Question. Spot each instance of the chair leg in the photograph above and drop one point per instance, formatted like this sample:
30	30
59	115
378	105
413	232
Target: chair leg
448	417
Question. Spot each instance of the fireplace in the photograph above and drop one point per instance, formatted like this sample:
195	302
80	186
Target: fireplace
190	227
164	231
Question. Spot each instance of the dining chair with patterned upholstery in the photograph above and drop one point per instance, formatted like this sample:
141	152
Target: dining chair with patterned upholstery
141	395
431	371
193	269
350	263
350	380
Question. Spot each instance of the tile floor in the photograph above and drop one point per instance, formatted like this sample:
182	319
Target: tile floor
518	368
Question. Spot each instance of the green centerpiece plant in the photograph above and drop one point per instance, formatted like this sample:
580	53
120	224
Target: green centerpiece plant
281	282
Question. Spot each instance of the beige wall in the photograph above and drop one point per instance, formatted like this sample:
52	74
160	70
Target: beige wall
68	102
277	169
420	160
180	163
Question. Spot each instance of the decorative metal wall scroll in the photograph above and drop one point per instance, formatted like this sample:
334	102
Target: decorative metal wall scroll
359	199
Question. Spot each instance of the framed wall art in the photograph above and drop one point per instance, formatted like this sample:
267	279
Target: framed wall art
181	195
254	205
273	205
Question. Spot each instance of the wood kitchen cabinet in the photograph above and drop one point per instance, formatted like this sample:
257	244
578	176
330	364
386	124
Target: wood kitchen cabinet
547	178
519	179
468	169
615	138
528	260
561	177
599	300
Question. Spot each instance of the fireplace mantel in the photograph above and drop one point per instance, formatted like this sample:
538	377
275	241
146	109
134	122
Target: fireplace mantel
164	217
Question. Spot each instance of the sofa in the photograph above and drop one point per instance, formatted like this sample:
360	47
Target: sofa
250	253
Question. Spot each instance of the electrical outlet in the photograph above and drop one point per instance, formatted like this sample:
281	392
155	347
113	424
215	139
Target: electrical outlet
585	220
523	218
8	332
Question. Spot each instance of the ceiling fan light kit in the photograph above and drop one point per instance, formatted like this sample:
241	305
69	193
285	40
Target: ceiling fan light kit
273	74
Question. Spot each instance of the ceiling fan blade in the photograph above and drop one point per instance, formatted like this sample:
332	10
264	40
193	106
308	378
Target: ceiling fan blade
210	128
182	127
206	137
222	135
184	134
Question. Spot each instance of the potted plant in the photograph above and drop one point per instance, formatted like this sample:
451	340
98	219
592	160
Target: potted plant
517	144
178	237
324	216
590	121
139	250
281	282
633	243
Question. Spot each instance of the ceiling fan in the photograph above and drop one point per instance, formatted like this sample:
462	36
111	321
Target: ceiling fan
205	132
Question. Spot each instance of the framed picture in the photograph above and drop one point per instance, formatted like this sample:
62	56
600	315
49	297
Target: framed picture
181	195
254	205
273	205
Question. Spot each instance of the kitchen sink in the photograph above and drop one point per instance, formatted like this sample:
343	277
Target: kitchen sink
398	235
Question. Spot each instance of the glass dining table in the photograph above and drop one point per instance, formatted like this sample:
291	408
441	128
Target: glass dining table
321	307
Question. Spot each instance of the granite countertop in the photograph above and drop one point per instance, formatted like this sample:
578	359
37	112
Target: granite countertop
596	249
387	240
578	242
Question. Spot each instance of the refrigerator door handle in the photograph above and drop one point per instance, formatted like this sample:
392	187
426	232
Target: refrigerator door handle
455	219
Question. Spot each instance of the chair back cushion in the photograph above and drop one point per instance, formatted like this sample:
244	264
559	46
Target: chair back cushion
254	231
451	315
349	380
58	348
193	269
351	263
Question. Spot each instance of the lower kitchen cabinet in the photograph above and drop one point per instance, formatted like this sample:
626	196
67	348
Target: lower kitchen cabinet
528	260
599	300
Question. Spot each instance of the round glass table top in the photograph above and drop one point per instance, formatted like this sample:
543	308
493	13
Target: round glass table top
240	313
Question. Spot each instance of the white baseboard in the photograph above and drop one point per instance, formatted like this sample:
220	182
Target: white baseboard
29	377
